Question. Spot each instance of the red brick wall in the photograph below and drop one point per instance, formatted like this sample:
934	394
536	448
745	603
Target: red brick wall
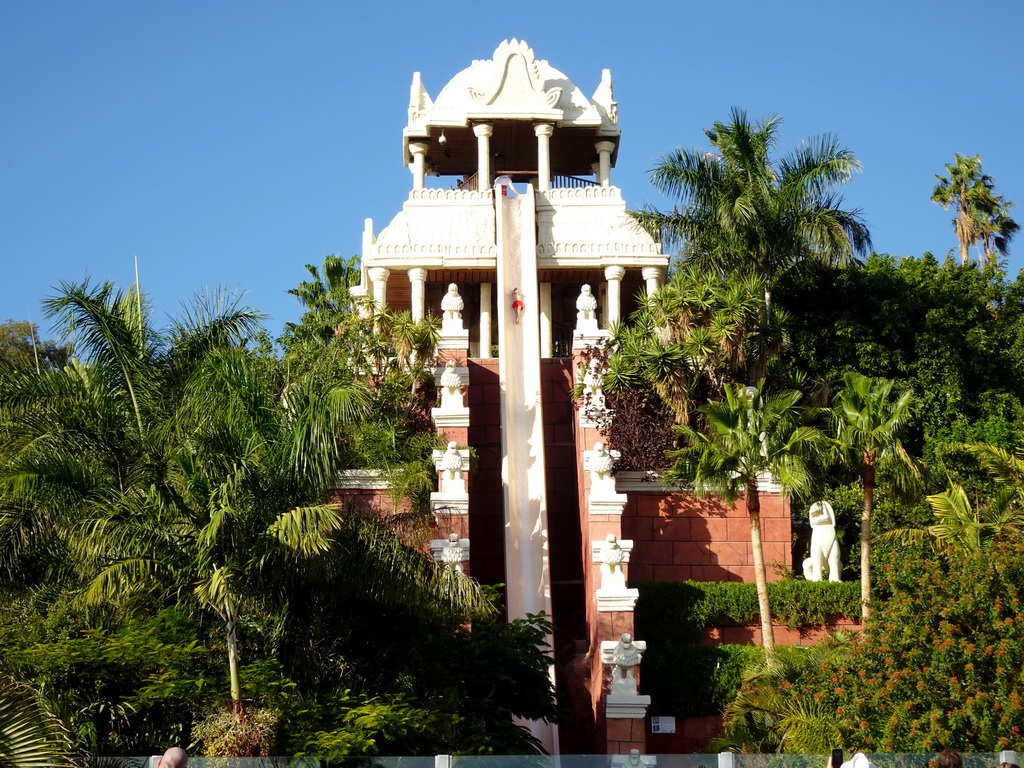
678	537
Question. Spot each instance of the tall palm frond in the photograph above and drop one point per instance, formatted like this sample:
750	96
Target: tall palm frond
30	735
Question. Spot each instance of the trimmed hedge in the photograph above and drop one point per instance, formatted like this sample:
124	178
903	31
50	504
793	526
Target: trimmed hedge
676	612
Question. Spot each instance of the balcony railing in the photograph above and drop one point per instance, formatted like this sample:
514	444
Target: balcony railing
557	181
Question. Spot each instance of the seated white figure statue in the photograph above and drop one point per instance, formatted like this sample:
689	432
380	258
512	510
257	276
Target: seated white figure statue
453	553
612	557
593	386
824	544
586	305
452	304
602	482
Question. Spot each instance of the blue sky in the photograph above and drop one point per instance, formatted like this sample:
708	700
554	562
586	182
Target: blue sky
229	143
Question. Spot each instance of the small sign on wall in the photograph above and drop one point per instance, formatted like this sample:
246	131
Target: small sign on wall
663	725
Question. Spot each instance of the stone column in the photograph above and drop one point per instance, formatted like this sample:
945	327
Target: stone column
485	320
417	279
604	153
652	276
614	277
419	163
379	277
543	132
483	132
545	319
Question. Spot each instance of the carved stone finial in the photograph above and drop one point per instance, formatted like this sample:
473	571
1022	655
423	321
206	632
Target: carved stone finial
612	554
626	657
453	553
452	304
586	304
601	464
451	382
593	386
452	462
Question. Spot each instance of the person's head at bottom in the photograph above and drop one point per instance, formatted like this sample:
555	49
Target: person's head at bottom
175	757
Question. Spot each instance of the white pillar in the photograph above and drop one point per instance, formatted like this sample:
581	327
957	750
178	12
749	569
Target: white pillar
417	280
419	163
614	277
545	319
604	154
652	276
379	277
543	132
485	320
483	132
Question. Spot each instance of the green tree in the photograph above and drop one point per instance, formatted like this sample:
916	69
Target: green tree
961	526
21	347
696	334
766	717
996	228
868	416
940	662
981	215
177	462
749	436
739	209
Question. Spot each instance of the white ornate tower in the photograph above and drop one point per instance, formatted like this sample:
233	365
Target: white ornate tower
511	212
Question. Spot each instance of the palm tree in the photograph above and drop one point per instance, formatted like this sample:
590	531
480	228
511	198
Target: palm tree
30	735
868	416
995	228
740	210
766	716
748	439
968	191
326	296
183	463
962	526
694	335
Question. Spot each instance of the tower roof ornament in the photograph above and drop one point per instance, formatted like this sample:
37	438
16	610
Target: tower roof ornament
513	84
515	80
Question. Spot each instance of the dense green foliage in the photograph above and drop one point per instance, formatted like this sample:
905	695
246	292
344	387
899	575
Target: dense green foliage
678	611
942	661
939	664
922	364
21	347
687	679
177	573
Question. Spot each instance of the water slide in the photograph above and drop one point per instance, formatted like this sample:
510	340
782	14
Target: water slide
523	467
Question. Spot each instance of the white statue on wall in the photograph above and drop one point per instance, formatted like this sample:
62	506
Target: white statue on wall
451	386
824	544
452	304
626	656
586	306
601	480
633	760
453	553
612	557
593	383
451	462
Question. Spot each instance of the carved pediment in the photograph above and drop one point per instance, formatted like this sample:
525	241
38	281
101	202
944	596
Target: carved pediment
515	80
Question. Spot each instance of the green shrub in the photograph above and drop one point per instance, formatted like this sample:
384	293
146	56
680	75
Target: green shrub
693	680
676	612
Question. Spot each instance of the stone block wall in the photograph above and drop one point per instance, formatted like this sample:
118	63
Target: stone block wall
679	537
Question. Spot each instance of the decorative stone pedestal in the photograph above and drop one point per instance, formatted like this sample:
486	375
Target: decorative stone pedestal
623	701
